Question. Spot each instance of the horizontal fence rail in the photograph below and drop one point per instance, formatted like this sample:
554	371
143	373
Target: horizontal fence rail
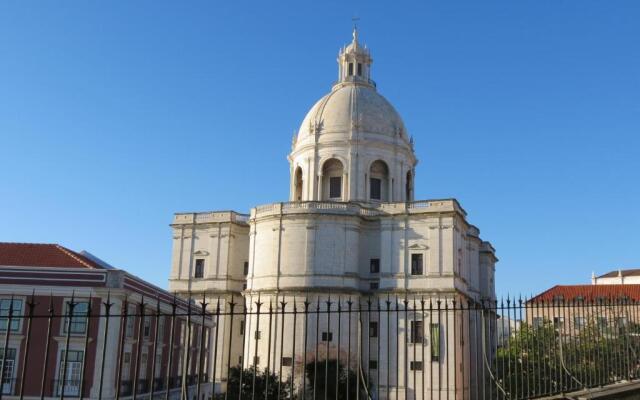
314	347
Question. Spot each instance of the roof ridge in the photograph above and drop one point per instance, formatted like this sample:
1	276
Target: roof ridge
75	256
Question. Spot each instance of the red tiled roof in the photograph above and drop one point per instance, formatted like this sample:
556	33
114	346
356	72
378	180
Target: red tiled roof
589	292
42	255
625	272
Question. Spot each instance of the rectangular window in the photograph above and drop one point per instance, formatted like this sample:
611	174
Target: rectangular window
158	367
240	360
359	69
71	374
78	323
376	188
199	272
257	335
8	370
415	365
435	342
602	322
558	322
537	322
287	361
129	327
256	360
350	69
374	265
373	329
327	336
374	285
373	364
161	326
578	322
241	327
246	268
335	187
146	329
417	332
5	304
416	264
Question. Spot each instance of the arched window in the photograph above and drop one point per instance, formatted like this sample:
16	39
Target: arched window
378	181
409	187
350	69
332	171
298	185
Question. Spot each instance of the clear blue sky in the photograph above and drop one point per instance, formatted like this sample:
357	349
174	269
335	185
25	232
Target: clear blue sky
114	115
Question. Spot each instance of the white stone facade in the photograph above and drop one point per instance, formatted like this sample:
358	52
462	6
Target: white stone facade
352	171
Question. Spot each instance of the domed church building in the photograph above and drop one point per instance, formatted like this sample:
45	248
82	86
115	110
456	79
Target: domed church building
351	235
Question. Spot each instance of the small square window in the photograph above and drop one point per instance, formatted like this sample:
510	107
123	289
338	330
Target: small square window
374	285
327	336
257	335
246	268
287	361
416	264
373	364
146	330
374	265
256	360
415	366
241	327
417	332
199	271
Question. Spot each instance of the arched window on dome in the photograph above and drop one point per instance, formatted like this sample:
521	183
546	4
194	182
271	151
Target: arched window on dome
378	181
409	187
332	174
298	185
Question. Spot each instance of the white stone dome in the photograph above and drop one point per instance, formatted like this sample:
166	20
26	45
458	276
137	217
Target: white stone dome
353	107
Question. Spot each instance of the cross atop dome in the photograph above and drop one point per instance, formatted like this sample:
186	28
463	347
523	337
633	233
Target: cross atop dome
354	63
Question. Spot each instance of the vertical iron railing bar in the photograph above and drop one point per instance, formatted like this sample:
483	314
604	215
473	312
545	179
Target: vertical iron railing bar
388	318
625	344
187	357
306	337
326	356
268	369
70	306
570	360
587	376
31	304
485	365
6	345
397	309
86	345
602	342
315	357
516	351
406	348
46	348
422	345
378	334
246	342
293	349
349	305
203	310
439	329
528	350
358	350
633	317
136	371
455	351
446	341
508	383
156	324
255	350
215	345
338	348
367	380
283	304
544	346
524	387
172	333
123	322
462	343
414	344
231	305
431	350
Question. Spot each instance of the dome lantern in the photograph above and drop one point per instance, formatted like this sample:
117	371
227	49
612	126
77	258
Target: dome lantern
354	63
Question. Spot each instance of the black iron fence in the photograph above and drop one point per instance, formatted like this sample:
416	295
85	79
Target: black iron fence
320	347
